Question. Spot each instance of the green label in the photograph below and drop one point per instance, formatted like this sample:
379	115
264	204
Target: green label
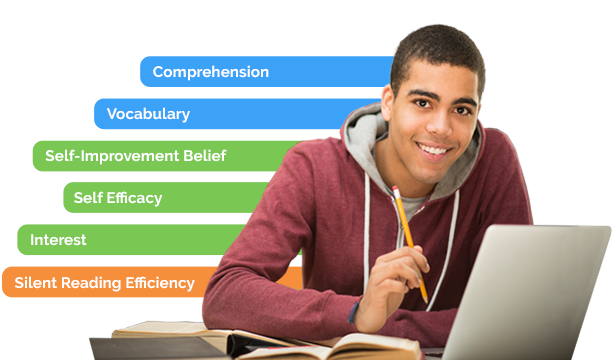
162	197
159	155
126	239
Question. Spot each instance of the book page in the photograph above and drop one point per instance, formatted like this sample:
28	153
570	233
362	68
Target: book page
318	352
182	327
367	341
302	342
261	337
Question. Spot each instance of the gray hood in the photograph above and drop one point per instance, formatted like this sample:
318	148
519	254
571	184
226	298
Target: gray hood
365	125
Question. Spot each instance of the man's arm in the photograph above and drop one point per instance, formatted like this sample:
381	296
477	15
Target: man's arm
242	294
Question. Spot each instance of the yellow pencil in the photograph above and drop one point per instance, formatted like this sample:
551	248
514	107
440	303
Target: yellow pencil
400	207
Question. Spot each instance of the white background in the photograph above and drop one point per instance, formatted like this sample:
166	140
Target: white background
44	76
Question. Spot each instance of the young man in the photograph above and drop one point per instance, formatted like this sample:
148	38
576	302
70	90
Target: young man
332	200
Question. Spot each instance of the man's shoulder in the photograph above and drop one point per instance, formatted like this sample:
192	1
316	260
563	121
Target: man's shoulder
497	140
330	149
498	150
324	159
499	155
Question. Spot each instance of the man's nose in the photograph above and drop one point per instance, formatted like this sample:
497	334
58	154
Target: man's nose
439	124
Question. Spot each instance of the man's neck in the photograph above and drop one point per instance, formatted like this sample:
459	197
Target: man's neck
394	173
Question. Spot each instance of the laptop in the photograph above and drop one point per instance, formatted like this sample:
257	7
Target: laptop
528	293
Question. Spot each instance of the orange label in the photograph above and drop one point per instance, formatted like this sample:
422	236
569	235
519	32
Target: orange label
116	281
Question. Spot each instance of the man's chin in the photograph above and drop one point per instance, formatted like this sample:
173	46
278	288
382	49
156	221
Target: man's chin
431	179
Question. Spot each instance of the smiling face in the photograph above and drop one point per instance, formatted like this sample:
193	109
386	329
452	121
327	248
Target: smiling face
431	123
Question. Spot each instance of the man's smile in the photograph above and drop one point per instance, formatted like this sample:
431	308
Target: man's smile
434	152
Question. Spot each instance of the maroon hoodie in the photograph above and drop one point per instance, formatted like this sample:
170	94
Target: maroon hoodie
322	199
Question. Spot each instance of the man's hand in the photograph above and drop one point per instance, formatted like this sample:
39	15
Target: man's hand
391	277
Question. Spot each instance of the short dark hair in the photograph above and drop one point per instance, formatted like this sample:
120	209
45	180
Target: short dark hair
436	44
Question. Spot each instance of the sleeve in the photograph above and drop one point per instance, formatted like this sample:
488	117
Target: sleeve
503	200
243	293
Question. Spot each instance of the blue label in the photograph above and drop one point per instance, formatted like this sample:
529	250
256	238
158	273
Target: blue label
225	113
265	71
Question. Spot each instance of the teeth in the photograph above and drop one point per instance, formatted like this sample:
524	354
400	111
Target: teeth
432	150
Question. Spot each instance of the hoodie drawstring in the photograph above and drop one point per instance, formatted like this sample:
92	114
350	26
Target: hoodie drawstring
366	241
451	237
366	234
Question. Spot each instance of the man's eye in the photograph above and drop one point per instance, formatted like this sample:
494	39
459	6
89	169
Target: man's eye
463	111
422	103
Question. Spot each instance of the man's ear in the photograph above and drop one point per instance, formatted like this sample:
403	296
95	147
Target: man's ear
386	102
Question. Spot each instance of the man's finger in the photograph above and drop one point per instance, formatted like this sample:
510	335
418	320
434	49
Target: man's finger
406	251
398	253
393	286
399	268
421	260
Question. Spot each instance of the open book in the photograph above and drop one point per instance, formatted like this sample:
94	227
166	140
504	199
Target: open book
232	342
352	346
